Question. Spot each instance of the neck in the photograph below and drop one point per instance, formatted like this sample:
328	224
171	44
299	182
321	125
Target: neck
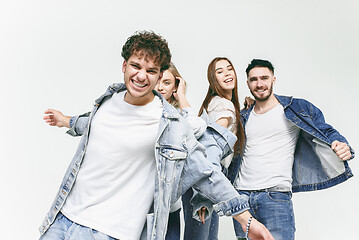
139	101
229	95
264	106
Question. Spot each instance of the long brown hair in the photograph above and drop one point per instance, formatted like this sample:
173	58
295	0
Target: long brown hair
215	90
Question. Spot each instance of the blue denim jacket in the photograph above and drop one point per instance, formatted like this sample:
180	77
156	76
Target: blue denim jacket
180	164
316	166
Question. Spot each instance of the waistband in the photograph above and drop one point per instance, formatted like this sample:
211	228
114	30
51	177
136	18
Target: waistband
272	189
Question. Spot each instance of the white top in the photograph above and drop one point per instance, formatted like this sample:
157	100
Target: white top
219	108
269	152
115	185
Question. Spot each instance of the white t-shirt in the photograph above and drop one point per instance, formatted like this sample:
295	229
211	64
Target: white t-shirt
114	188
219	108
269	152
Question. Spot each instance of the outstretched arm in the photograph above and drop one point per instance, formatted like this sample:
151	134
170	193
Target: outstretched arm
56	118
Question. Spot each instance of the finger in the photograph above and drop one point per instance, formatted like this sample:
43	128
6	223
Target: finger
203	216
334	144
48	111
345	156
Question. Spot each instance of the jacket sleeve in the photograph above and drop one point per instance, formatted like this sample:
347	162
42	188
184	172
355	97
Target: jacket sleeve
78	124
331	133
205	176
197	124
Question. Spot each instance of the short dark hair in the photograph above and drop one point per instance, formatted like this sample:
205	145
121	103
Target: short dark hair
149	44
260	63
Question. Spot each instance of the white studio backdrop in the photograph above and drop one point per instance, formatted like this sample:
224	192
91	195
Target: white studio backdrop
64	54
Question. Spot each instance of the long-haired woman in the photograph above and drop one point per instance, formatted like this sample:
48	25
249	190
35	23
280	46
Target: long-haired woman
222	106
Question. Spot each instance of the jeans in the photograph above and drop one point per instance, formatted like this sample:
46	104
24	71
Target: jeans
274	210
195	230
64	228
174	226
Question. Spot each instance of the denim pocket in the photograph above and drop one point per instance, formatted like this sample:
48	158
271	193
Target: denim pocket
280	196
169	164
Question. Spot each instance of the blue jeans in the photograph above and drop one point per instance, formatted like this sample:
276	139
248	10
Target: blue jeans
195	230
64	228
174	226
274	210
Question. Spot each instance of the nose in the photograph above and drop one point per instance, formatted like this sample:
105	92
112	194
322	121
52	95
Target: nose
141	75
159	86
260	83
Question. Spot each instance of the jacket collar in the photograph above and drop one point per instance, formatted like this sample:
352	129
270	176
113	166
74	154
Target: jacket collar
168	110
285	101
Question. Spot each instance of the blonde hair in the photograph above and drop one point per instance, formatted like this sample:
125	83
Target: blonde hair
173	70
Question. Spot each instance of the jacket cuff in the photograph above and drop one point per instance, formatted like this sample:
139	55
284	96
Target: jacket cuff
72	130
233	206
75	123
198	201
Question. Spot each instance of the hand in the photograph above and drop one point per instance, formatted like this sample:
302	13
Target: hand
248	102
181	90
202	214
257	231
342	150
180	94
56	118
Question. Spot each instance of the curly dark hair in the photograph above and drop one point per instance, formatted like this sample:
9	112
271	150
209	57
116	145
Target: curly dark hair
150	45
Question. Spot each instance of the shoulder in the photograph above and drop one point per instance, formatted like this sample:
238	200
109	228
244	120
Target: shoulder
219	104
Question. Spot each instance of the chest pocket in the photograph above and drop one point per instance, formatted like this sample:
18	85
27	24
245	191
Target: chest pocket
171	162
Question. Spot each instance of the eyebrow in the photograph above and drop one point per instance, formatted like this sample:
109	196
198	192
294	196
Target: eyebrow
137	63
222	67
260	77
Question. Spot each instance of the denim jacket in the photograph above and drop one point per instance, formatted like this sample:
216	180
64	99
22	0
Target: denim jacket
216	137
316	166
180	164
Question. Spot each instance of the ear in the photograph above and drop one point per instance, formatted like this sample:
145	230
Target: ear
274	80
124	64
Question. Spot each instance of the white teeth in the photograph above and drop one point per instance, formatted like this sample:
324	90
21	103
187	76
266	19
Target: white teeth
138	84
228	80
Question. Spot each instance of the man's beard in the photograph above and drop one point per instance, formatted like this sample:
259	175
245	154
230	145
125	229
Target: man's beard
264	98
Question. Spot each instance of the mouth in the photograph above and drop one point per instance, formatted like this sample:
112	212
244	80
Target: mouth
260	90
228	80
140	85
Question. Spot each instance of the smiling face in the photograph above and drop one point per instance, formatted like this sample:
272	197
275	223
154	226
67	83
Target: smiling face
225	76
141	75
166	85
260	82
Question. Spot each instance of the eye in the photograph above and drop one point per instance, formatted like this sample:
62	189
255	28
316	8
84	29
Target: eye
167	83
219	72
135	66
152	72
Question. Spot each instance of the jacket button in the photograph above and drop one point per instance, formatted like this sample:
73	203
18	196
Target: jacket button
171	154
63	192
